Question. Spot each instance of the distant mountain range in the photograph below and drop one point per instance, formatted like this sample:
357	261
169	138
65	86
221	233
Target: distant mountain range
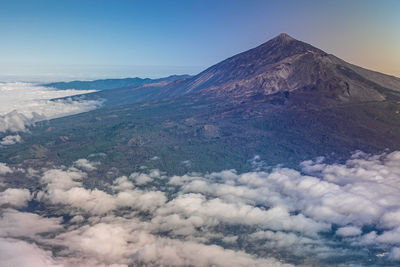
106	84
284	100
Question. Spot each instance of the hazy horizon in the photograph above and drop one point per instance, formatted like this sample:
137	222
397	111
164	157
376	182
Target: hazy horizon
92	72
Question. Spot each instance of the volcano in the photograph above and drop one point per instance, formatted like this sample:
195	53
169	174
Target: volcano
285	65
285	101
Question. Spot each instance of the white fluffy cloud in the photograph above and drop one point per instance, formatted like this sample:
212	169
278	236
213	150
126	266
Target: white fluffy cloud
121	243
324	212
86	165
349	231
24	224
15	197
23	104
10	140
65	187
15	252
4	169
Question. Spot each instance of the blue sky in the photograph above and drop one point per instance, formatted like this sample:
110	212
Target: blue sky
53	40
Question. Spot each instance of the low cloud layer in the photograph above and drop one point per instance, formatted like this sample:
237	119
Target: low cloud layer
326	214
23	104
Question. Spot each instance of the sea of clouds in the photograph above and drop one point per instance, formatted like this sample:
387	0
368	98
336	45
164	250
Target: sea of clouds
324	214
23	104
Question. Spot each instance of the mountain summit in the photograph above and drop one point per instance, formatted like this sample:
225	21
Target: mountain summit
284	64
284	37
